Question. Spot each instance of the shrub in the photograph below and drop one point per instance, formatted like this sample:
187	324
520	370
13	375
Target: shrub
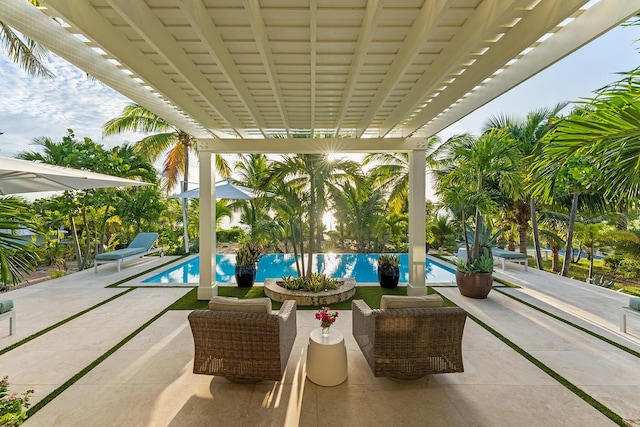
12	406
628	268
315	283
232	235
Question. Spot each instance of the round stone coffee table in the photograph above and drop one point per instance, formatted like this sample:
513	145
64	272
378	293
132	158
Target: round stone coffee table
326	358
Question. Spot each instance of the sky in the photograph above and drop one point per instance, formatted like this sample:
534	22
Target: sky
31	107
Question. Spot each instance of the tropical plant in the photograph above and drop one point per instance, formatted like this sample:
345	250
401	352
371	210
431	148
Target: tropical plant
388	260
473	166
13	407
248	255
18	254
313	283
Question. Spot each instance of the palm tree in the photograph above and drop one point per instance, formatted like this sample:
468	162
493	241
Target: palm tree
391	171
314	174
473	166
165	139
24	51
527	134
361	205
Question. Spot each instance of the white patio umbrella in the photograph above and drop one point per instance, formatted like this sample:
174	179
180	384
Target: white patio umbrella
224	190
22	176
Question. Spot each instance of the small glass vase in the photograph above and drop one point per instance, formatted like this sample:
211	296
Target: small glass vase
325	330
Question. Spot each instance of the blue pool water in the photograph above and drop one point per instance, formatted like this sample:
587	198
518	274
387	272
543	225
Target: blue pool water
362	267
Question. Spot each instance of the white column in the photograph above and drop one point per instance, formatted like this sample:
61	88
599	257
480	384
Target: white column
417	217
207	287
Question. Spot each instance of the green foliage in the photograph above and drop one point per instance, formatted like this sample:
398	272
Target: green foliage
628	268
12	406
314	283
482	265
248	254
234	234
388	260
17	253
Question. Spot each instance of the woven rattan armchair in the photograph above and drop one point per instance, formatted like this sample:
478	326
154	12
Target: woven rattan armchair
243	347
409	343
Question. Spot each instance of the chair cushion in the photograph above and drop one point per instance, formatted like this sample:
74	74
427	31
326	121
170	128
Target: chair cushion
398	301
6	305
120	253
634	303
144	241
250	305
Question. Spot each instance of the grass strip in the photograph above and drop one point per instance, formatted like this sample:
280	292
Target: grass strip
567	322
62	322
370	294
35	408
553	374
125	280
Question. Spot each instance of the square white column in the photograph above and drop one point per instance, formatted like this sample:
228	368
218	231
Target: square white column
417	218
207	287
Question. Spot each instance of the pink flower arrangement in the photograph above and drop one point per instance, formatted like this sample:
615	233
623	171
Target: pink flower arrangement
12	406
326	316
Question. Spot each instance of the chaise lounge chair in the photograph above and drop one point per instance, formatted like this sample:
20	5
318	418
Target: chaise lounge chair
505	255
140	246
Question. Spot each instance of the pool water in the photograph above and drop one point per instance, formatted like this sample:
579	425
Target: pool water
362	267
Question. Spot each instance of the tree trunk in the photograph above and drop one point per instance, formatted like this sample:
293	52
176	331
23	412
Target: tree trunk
590	256
87	233
555	264
568	254
536	237
475	254
312	223
76	243
185	202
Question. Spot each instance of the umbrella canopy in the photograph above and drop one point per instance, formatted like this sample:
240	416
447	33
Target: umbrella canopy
23	176
224	190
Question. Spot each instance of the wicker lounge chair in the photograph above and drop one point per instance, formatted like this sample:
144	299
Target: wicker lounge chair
140	246
243	346
409	343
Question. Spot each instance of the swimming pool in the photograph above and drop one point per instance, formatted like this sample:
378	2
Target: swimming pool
362	267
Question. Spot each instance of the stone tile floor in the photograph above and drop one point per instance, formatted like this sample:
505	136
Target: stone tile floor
148	380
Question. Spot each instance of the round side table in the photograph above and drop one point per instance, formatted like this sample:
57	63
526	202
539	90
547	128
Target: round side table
326	358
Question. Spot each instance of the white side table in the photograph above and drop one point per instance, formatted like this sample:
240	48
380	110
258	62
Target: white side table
326	358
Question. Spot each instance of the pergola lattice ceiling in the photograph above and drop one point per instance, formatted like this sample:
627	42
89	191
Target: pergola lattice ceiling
260	68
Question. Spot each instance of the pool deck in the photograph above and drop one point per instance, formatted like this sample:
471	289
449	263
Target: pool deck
145	356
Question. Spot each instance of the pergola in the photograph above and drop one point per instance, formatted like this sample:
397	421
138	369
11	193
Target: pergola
374	75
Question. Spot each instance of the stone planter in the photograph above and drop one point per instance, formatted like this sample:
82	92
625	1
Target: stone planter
474	285
322	298
388	276
245	275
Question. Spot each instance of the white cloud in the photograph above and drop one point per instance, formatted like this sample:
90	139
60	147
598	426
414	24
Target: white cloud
31	107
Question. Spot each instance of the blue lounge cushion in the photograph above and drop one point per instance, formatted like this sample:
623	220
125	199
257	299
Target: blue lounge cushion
502	253
634	303
119	254
144	241
6	305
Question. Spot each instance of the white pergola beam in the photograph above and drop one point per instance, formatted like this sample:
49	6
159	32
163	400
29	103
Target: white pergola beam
544	17
312	145
424	23
367	31
202	24
592	23
262	40
141	18
478	28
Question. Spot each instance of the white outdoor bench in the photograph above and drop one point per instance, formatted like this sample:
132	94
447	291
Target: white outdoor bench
11	315
624	312
501	255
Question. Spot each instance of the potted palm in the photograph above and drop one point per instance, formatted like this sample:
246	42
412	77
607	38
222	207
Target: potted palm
490	158
388	270
246	265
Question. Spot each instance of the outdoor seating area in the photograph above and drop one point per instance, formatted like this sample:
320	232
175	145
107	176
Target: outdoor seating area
135	360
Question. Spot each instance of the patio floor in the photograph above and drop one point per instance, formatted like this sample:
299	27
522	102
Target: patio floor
147	381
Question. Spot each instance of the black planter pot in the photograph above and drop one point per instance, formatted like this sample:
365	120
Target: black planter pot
388	276
245	275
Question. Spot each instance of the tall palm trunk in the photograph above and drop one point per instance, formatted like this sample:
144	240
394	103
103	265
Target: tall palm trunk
536	237
76	242
312	222
185	202
568	255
